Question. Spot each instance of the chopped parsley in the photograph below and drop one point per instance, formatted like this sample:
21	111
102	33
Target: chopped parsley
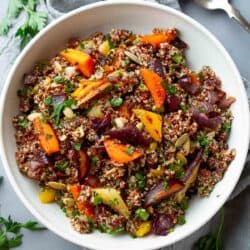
203	140
165	185
59	79
69	87
116	102
226	127
183	107
106	229
58	108
130	150
23	122
111	44
202	109
82	45
78	146
48	101
62	165
171	89
142	214
178	58
141	180
97	200
181	220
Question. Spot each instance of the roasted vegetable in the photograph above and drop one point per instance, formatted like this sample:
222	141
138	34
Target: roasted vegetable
83	61
153	82
85	208
88	90
112	198
47	195
46	135
104	48
190	176
158	38
84	164
161	192
121	153
129	135
151	121
162	223
143	229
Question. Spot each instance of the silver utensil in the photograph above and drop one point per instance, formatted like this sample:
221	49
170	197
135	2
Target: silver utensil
226	6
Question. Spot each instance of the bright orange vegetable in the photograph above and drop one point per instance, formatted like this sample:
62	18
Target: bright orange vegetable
83	61
84	164
121	153
153	82
88	90
85	208
47	137
195	78
151	121
74	190
94	93
158	38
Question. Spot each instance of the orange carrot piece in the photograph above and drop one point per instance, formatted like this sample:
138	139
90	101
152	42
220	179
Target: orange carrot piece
47	137
82	60
157	38
85	208
121	153
93	93
195	78
153	82
74	190
84	164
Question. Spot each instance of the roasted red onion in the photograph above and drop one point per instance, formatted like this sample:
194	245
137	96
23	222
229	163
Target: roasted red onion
130	135
162	223
172	103
205	122
225	103
178	43
161	192
101	124
156	66
186	83
191	166
59	98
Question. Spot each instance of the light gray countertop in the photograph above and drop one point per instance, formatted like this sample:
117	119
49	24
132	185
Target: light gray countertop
237	42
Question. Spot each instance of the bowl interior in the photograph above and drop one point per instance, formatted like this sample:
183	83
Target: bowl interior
141	18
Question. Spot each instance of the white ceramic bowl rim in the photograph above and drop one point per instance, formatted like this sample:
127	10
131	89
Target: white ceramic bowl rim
157	243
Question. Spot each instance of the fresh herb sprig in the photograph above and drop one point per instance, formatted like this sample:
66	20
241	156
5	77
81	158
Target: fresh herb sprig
10	232
211	241
34	22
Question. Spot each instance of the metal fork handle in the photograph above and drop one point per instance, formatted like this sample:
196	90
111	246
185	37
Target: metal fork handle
235	14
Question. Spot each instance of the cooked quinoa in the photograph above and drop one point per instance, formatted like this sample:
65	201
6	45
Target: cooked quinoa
121	133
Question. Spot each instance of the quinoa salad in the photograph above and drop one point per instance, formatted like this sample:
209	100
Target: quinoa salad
121	133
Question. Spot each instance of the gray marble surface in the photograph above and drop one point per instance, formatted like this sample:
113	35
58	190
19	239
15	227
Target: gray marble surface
237	228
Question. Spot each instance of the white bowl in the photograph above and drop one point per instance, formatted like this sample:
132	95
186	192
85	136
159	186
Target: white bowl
140	17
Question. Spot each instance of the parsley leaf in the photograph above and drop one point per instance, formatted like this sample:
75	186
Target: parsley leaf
10	236
178	58
34	22
58	108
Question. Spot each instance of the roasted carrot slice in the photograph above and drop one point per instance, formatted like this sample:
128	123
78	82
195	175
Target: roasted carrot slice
82	60
47	137
121	153
157	38
74	190
93	93
85	208
154	39
84	164
153	82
